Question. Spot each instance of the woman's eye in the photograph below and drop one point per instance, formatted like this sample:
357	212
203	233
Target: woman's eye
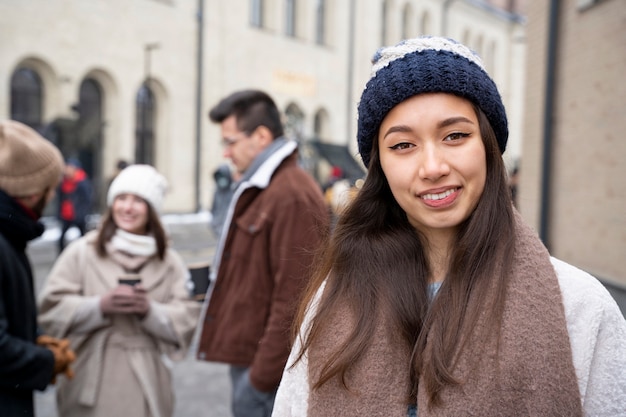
456	136
401	145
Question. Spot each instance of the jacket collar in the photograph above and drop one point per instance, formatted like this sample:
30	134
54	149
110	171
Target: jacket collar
258	175
260	172
15	224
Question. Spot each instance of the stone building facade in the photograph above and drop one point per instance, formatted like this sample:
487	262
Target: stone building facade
134	79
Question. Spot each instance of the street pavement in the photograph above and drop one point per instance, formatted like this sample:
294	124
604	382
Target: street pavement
202	389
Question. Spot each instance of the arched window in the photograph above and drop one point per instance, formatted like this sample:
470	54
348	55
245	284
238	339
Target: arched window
425	25
144	136
478	46
294	123
27	98
320	22
490	59
89	132
256	13
465	38
290	18
408	22
383	22
320	125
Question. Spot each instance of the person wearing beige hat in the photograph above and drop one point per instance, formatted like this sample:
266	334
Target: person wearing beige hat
122	297
30	169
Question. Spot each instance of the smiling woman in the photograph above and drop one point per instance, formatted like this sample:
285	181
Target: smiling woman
433	297
121	296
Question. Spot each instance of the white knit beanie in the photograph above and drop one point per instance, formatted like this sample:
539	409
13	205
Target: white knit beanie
141	180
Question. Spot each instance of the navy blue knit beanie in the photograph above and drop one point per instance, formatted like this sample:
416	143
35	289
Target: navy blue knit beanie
426	65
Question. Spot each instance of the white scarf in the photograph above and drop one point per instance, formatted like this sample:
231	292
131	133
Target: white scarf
136	245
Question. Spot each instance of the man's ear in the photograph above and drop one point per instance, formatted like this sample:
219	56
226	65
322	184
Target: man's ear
265	135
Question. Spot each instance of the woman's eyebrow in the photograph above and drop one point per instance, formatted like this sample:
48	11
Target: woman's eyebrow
397	128
453	120
444	123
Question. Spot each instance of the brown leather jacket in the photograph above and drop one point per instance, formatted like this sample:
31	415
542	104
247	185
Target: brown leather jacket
264	266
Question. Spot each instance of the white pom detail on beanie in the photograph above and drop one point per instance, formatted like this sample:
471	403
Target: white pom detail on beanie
141	180
385	55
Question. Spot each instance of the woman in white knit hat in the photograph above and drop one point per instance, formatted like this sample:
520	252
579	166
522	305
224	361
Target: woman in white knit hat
121	296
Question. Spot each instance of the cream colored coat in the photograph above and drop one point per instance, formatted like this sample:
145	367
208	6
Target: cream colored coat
119	368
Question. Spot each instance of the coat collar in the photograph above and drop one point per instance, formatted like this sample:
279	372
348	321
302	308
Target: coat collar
152	274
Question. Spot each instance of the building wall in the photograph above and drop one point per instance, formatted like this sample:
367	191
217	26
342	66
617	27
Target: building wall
587	217
68	40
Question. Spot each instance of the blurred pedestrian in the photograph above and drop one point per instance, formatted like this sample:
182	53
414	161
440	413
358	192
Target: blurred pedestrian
120	165
122	297
433	297
30	170
75	198
274	221
225	183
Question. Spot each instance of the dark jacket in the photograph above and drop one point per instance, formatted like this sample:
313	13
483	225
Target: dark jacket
24	366
278	221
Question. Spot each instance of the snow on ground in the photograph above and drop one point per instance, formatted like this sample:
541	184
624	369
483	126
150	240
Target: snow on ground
53	230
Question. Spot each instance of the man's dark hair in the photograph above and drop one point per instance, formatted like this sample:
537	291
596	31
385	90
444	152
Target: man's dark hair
251	108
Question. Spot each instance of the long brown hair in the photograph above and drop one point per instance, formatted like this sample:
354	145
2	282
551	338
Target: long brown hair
153	227
375	263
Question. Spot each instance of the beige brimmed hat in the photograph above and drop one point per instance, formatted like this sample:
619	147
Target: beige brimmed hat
29	163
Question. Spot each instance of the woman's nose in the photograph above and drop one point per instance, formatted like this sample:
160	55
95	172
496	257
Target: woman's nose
126	204
432	164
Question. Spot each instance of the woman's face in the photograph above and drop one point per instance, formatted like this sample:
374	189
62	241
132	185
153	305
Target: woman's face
433	156
130	213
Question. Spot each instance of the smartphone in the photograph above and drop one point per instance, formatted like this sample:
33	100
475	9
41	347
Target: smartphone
129	279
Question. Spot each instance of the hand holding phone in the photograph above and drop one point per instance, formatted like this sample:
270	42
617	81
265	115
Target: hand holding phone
129	297
129	279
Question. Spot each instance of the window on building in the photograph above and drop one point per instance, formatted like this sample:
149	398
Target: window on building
383	23
490	59
290	18
426	28
465	38
294	123
89	130
408	22
27	98
256	13
478	46
320	125
320	22
144	132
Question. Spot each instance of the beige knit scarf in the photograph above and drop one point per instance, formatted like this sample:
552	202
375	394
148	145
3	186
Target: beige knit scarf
533	374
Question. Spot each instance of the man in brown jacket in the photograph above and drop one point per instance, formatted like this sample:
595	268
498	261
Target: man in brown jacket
276	219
